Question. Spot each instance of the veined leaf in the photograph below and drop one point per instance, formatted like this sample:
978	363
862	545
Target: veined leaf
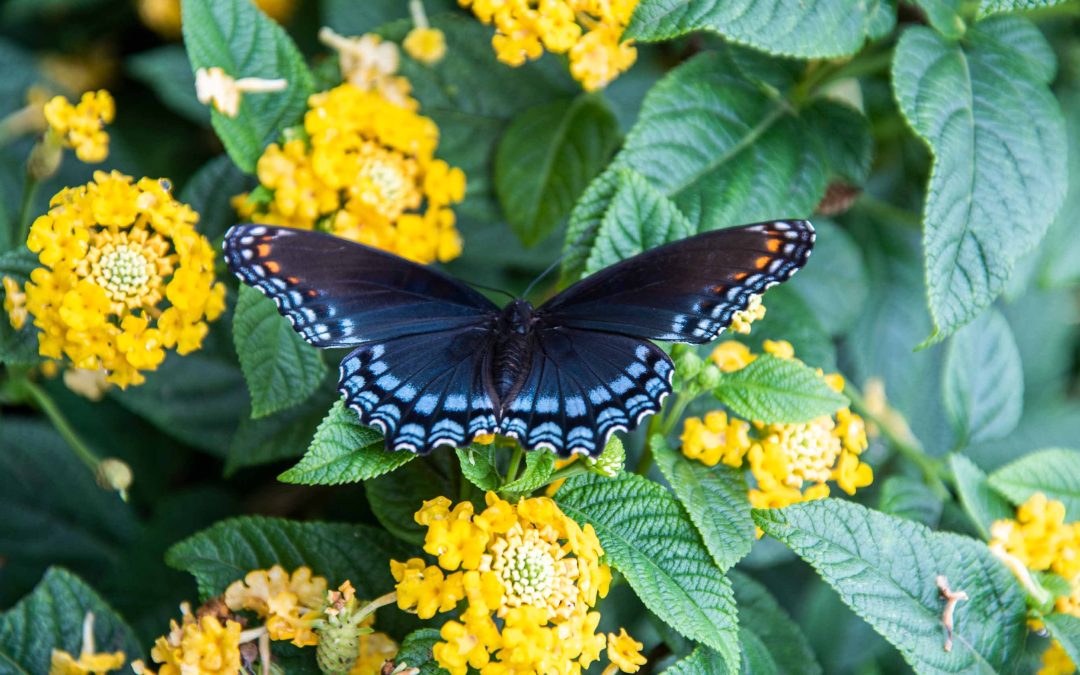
834	284
812	29
944	16
982	503
344	451
781	391
885	569
396	497
772	642
539	465
701	661
710	138
715	498
649	538
1054	472
416	650
639	218
52	618
209	192
910	498
998	6
983	381
999	174
1066	629
237	37
280	368
546	158
478	465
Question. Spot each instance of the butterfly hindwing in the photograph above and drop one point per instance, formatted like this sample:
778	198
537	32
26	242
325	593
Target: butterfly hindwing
422	390
582	386
687	291
340	294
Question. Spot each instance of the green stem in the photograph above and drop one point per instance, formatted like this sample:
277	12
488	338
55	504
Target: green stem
29	190
906	444
515	463
52	411
572	469
646	461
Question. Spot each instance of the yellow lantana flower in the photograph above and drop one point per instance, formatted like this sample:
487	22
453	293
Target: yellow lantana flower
529	575
82	127
290	603
790	463
426	45
124	277
589	32
367	172
89	661
625	652
196	646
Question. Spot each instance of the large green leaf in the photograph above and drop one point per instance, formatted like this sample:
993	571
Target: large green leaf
775	390
909	497
283	435
281	369
396	497
52	618
983	381
1054	472
167	71
478	465
715	498
720	143
944	16
811	29
789	317
209	191
639	218
834	283
237	37
701	661
344	451
1066	629
772	643
649	538
546	158
885	569
230	549
982	503
999	177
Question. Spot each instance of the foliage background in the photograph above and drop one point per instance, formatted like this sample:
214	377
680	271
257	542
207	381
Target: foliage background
739	133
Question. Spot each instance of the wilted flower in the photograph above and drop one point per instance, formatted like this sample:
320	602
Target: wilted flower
204	645
290	603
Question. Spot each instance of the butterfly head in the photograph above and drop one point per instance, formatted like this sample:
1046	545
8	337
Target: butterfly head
517	317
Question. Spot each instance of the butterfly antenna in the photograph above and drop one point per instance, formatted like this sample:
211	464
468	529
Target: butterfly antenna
551	267
492	289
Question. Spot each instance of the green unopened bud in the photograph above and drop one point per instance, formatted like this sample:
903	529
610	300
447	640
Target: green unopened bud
114	474
709	377
611	460
339	645
687	366
44	159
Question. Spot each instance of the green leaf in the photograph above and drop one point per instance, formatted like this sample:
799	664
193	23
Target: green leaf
846	140
1060	266
539	465
812	29
283	435
237	37
197	399
772	642
715	498
778	391
210	191
478	465
20	73
1054	472
1046	426
344	451
944	16
281	369
167	71
395	498
349	17
833	285
997	6
885	568
788	315
999	175
702	661
230	549
546	158
908	497
982	503
983	381
651	541
639	218
711	138
52	618
1066	629
416	650
17	347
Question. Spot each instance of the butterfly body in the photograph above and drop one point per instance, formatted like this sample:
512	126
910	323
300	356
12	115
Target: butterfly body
434	362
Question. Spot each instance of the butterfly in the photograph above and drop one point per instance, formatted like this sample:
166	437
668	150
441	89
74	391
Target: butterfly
434	362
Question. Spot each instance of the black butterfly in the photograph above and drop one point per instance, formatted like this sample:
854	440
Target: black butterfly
436	363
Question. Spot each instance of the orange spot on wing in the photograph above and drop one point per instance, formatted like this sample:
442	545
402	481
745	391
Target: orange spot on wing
739	276
263	250
761	262
312	292
773	245
272	266
293	280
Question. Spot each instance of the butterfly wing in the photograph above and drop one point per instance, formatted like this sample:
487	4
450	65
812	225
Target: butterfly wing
582	386
337	293
686	291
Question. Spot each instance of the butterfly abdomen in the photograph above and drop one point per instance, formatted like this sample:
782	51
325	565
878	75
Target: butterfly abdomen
511	354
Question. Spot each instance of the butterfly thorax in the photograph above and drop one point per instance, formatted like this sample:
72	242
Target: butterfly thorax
510	357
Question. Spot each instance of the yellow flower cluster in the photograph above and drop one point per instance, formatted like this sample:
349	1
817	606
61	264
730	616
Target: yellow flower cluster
589	31
89	661
290	604
790	462
113	252
1041	540
526	565
199	645
426	45
82	127
366	172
